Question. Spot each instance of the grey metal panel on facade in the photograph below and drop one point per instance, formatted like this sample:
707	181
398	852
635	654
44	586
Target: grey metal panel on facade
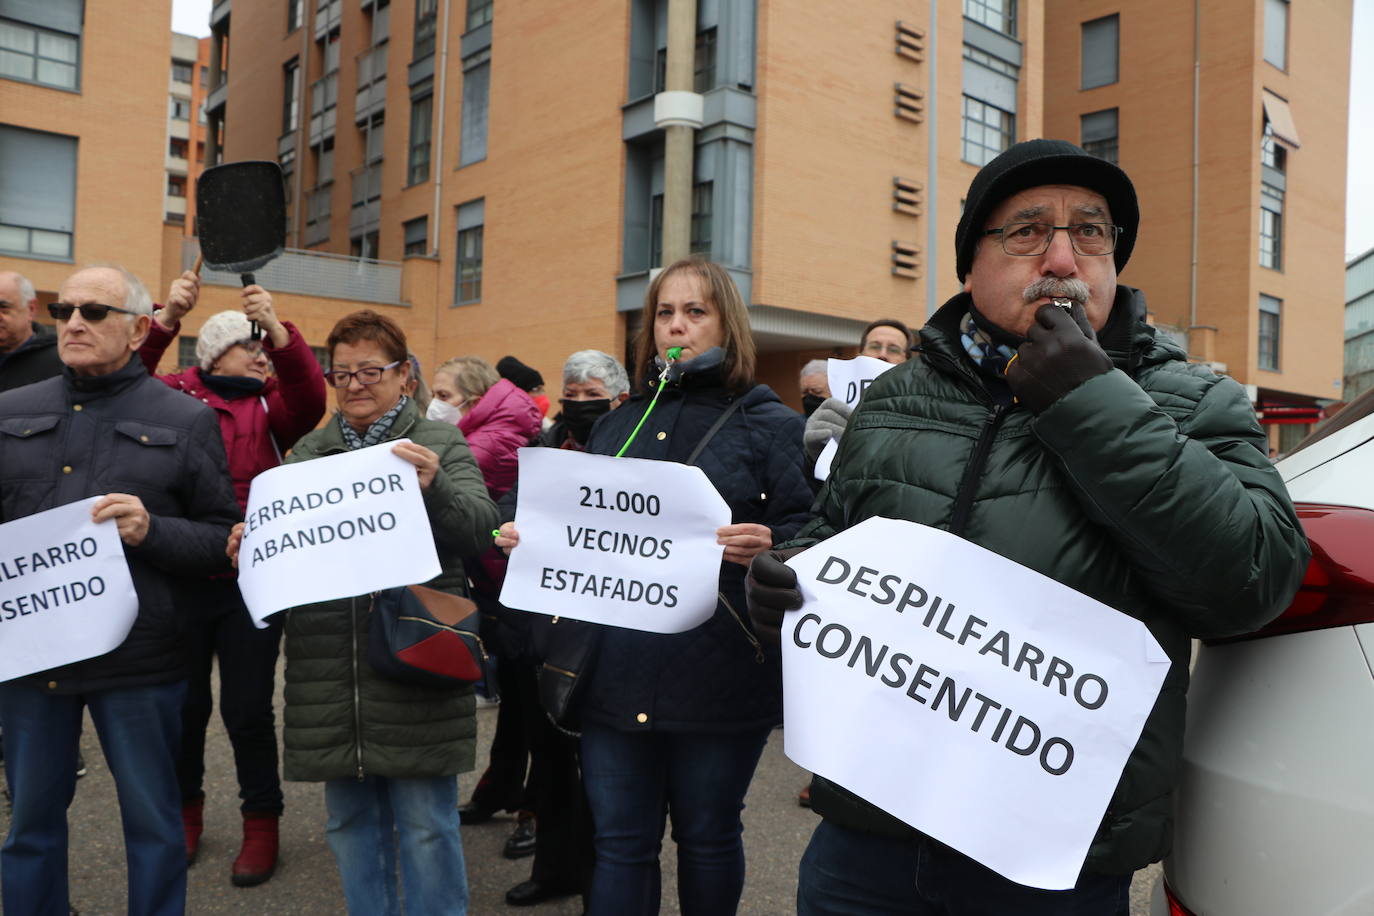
731	106
1273	176
479	39
995	88
797	329
312	273
992	41
37	179
421	69
59	15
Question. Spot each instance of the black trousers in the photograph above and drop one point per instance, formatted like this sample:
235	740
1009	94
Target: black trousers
563	825
247	679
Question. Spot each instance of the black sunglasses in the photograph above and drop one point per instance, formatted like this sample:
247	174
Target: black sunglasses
91	311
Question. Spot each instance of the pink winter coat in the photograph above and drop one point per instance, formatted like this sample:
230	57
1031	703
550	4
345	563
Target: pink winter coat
257	429
503	420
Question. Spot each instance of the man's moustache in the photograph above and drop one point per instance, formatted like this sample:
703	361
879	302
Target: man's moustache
1057	288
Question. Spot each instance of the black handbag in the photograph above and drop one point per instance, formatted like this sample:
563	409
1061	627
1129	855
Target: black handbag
420	635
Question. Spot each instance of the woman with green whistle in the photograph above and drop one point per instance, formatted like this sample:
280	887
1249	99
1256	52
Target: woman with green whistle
675	724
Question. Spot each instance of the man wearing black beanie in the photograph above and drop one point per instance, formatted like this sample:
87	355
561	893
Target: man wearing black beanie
1047	422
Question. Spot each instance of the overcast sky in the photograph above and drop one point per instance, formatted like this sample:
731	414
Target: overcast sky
191	17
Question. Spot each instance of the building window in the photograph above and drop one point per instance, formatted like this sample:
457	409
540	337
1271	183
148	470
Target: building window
421	125
205	77
987	131
293	15
1271	227
39	55
479	13
1098	134
701	217
182	71
416	236
472	144
364	246
291	96
471	217
1272	152
1269	309
995	14
177	148
656	231
1276	33
703	63
37	193
991	62
186	352
425	15
1101	51
179	109
324	164
176	185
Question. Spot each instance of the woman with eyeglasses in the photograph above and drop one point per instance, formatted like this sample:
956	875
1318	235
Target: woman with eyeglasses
389	753
261	415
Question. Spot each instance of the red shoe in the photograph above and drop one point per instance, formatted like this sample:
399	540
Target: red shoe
258	858
193	823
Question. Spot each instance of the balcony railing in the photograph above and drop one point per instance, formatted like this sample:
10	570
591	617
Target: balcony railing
313	273
324	97
218	12
371	97
328	15
365	213
218	96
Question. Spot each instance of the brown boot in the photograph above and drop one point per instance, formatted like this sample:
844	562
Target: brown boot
258	858
193	822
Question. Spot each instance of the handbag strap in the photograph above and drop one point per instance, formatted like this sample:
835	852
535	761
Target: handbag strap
715	428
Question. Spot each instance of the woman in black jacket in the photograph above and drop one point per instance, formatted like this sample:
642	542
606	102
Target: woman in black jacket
675	724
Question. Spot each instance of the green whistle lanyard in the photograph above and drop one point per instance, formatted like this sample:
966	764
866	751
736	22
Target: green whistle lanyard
673	353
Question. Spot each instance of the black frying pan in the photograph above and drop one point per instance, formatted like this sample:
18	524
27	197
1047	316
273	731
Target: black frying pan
241	217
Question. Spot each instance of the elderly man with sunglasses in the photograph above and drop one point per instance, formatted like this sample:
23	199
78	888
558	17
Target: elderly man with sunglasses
1047	422
155	458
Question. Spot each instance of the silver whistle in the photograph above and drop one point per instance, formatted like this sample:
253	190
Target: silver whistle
1065	304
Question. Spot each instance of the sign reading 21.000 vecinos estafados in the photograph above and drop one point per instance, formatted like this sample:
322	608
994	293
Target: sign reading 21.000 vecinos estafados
622	541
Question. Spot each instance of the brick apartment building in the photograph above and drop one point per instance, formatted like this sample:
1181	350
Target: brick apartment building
503	177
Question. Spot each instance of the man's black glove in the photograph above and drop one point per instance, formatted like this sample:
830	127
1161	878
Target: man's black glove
771	589
1061	352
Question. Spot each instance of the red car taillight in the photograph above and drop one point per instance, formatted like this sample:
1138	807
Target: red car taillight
1175	908
1338	588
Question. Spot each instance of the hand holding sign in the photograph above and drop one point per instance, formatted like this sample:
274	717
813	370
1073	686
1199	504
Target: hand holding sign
744	541
627	542
426	462
127	511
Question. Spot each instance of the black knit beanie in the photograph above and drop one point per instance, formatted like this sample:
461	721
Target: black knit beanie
1040	162
520	375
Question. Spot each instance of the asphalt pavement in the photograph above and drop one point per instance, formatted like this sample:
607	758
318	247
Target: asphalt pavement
776	830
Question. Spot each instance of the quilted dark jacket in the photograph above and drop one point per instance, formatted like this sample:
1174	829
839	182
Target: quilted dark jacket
69	438
34	360
343	720
715	677
1147	488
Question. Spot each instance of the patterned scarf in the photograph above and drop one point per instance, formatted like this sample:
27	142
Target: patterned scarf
377	432
988	355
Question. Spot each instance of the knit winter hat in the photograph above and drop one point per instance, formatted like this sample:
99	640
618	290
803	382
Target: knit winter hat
220	332
520	375
1030	164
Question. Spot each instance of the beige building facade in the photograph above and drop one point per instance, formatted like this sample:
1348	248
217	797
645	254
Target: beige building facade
496	176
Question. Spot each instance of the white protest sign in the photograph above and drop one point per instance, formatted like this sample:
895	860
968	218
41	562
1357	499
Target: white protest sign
975	699
65	590
332	528
622	541
826	458
850	378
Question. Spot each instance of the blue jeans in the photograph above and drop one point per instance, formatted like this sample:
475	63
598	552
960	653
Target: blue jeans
848	873
633	781
139	730
379	822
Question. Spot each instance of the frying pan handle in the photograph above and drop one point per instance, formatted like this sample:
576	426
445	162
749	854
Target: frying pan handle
248	280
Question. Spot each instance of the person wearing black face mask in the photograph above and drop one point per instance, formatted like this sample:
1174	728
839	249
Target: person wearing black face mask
266	393
815	385
558	828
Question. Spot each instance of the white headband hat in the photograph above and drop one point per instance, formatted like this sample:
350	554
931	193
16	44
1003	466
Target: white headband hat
220	332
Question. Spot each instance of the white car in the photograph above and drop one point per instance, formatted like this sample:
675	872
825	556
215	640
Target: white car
1274	814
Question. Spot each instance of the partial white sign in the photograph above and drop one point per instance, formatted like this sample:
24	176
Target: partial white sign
334	527
65	590
627	542
826	458
979	701
850	378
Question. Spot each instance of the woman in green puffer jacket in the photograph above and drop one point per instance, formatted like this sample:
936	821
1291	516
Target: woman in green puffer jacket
389	753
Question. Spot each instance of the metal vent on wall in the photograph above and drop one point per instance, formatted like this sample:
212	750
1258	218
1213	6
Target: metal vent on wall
906	260
909	102
906	196
911	42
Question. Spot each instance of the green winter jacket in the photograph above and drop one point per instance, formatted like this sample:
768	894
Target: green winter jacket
343	721
1147	488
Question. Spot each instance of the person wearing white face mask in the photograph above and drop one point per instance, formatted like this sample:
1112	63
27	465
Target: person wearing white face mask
496	417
